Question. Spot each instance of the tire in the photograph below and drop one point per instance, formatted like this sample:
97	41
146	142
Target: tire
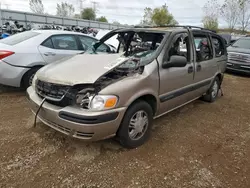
28	76
212	93
134	136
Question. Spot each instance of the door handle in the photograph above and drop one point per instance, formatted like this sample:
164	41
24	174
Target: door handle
190	69
49	53
198	68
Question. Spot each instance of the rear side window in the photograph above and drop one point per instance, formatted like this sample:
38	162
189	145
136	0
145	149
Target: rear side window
218	46
203	47
64	42
18	38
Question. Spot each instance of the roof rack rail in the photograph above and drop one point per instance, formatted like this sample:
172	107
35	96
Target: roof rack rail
183	26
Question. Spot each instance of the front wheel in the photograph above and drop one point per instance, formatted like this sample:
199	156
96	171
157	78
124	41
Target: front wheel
212	93
28	77
136	124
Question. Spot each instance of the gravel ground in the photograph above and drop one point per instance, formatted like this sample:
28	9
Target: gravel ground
199	145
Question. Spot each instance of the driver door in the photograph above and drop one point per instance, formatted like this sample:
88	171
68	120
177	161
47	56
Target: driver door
176	82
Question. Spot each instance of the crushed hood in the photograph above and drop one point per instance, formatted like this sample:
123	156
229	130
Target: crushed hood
80	69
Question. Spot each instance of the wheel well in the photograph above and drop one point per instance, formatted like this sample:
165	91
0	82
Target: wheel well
37	66
151	100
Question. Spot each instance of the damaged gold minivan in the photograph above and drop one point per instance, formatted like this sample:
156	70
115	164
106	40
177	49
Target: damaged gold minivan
95	96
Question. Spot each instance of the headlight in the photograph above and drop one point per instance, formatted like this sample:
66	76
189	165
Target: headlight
97	102
34	82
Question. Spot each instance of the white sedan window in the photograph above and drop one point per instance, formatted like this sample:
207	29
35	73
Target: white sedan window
64	42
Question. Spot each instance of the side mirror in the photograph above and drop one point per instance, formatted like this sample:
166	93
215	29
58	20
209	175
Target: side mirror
175	61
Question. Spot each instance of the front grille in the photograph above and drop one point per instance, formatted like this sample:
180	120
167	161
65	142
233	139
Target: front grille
50	90
56	94
239	57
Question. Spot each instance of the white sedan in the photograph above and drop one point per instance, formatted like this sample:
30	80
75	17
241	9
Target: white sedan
21	55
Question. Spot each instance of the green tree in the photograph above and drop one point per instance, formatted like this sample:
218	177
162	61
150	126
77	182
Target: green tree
65	10
88	14
161	16
36	6
102	19
158	16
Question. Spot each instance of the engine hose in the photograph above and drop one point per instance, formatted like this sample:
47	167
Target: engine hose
38	111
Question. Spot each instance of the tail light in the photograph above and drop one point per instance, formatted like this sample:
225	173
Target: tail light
5	53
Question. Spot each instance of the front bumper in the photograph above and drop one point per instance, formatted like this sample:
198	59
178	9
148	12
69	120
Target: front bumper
77	122
238	67
11	75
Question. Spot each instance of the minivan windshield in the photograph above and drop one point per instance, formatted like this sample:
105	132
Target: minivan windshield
138	44
18	38
242	43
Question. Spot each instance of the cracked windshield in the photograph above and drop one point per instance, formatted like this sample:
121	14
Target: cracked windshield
125	93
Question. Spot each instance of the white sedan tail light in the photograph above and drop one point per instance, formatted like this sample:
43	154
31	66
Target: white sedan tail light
5	53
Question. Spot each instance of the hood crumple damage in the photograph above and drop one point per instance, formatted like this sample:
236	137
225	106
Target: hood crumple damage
79	69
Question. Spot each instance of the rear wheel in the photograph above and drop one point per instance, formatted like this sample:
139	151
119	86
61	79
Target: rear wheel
28	77
136	124
212	93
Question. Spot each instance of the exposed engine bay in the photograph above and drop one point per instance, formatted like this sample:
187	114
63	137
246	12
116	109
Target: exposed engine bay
128	68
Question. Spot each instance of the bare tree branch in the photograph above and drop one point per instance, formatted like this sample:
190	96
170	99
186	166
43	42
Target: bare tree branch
244	14
211	14
36	6
230	12
65	10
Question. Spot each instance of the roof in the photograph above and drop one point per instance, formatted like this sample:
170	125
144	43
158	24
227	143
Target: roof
153	30
163	29
50	31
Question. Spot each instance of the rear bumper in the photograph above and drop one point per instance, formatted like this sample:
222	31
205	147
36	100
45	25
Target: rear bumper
238	67
11	75
77	122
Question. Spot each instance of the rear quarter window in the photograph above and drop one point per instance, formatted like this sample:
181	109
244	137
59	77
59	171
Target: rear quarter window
18	38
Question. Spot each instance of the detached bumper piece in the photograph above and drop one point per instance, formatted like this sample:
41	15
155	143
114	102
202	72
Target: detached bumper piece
88	119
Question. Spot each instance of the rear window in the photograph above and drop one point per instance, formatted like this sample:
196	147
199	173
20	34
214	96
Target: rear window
20	37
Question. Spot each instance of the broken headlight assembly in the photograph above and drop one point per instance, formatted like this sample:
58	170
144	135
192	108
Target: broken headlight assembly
96	102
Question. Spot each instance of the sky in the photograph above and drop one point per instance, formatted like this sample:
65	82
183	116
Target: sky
187	12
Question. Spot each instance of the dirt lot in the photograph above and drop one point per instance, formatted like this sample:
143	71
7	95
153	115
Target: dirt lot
199	145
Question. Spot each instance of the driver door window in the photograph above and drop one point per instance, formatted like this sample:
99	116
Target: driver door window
180	46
